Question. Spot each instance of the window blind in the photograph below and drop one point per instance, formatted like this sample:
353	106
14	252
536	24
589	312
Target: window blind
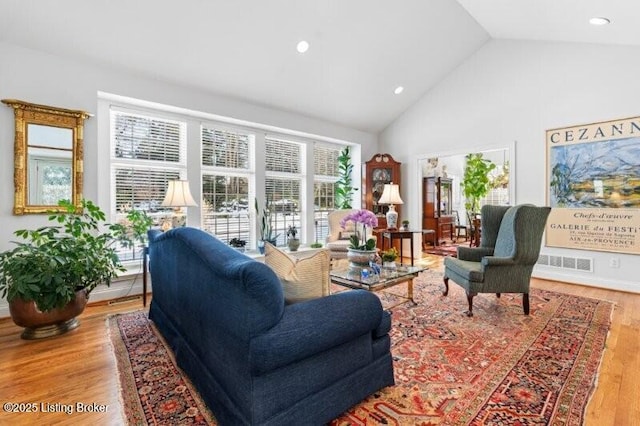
138	137
224	148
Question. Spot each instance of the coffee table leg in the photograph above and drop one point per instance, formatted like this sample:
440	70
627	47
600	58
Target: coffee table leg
410	291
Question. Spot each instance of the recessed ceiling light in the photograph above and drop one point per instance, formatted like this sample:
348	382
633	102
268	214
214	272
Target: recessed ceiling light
599	21
398	90
302	46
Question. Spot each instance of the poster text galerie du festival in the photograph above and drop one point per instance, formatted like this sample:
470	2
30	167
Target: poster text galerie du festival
593	186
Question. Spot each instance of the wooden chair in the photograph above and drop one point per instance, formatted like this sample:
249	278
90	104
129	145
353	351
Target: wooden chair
474	229
460	228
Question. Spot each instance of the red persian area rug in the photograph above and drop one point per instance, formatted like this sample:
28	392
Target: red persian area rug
499	367
153	390
445	249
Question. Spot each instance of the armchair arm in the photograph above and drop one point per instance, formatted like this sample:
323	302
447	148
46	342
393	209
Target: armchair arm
312	327
473	254
497	261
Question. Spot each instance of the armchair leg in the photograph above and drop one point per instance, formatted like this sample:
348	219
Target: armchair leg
446	286
525	303
498	295
470	296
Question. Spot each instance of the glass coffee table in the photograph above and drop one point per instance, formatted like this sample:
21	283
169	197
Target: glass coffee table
388	278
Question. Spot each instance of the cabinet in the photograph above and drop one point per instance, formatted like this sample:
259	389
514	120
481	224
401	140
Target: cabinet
436	207
381	169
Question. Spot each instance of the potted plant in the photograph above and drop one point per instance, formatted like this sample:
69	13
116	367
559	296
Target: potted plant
344	185
237	244
47	278
265	219
292	241
361	250
475	183
405	225
389	257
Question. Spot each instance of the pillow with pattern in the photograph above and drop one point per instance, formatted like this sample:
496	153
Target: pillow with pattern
302	278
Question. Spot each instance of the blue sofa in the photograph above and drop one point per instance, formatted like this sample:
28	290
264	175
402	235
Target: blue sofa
253	359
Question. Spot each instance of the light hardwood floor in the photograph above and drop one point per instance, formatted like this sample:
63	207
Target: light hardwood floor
79	367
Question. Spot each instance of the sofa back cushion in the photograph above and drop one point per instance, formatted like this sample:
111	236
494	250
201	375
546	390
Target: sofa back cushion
302	278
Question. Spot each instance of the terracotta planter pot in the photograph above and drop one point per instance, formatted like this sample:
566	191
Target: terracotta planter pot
40	324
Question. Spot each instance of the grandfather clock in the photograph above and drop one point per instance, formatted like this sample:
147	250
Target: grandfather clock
378	171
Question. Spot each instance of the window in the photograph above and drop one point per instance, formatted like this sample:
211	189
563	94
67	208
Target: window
148	148
226	176
146	152
283	186
326	173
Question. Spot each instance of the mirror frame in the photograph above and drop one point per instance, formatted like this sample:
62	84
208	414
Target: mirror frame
27	113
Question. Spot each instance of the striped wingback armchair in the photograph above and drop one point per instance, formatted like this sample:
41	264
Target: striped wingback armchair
503	263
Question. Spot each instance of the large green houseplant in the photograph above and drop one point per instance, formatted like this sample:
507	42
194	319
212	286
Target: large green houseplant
344	185
55	265
475	182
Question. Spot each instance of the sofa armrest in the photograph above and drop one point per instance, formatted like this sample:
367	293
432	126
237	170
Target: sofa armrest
473	254
315	326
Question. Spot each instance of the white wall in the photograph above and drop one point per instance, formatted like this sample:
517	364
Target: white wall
514	91
40	78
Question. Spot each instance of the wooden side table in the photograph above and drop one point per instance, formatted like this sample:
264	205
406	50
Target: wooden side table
391	235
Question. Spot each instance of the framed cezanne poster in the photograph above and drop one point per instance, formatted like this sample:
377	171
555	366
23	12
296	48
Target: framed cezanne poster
593	186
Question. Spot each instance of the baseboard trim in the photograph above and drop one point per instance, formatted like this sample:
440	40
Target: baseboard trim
609	284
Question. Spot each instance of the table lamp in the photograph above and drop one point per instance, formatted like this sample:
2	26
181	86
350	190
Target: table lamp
178	195
391	196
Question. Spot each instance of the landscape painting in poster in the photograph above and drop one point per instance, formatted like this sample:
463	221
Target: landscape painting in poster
593	177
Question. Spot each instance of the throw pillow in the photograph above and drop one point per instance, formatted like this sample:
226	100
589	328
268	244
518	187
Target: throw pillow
302	278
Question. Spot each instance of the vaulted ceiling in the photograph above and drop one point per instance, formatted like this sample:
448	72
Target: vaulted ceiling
360	50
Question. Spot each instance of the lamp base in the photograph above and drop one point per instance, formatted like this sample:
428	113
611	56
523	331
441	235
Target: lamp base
392	217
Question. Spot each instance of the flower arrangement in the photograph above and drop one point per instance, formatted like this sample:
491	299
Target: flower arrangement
365	219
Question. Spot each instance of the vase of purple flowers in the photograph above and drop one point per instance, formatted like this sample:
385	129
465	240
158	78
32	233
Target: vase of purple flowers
362	250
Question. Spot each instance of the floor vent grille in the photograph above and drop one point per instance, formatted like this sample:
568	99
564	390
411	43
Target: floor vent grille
566	262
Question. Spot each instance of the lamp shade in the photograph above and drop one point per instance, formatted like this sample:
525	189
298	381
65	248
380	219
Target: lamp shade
178	194
390	194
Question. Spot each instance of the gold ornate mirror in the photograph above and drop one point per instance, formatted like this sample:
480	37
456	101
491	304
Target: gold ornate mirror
47	156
